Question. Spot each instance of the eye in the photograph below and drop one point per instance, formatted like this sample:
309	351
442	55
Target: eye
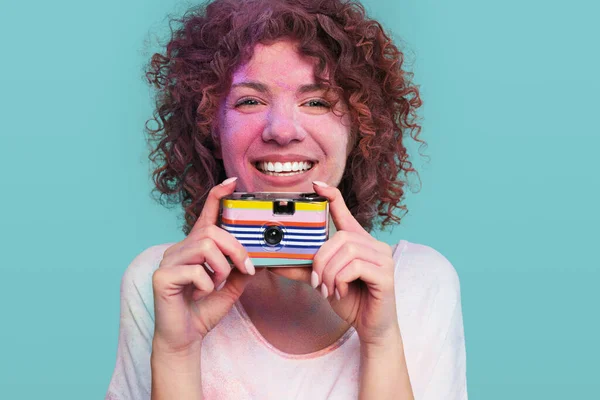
318	103
247	102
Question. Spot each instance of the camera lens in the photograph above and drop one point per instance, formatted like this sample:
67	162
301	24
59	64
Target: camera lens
273	235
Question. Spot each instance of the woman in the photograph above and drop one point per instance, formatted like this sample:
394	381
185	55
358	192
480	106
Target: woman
298	96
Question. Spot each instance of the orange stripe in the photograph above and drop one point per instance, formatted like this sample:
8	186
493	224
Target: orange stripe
288	224
282	255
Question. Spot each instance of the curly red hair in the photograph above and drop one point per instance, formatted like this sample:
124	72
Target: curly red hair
194	74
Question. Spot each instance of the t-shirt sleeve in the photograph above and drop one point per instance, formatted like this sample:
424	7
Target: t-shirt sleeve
448	379
430	318
131	377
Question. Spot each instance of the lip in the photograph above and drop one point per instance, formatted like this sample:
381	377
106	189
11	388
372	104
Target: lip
278	181
283	158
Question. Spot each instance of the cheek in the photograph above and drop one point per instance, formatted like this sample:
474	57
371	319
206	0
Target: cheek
337	138
240	131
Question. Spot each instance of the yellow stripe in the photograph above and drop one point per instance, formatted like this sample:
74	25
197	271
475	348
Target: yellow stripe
268	205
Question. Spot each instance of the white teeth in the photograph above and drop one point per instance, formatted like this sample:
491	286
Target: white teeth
278	167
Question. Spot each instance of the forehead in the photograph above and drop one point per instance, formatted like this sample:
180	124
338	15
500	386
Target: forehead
279	63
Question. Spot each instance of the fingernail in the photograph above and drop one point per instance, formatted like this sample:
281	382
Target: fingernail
221	285
228	181
324	291
212	271
337	295
321	184
249	266
314	280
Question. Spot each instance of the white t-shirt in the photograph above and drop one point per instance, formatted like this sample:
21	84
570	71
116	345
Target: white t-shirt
238	363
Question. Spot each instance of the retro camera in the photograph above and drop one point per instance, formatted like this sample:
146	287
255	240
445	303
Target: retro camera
277	229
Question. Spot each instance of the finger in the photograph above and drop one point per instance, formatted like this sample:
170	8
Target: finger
235	284
217	262
210	211
331	248
172	249
341	215
222	300
171	280
341	289
346	254
220	241
367	272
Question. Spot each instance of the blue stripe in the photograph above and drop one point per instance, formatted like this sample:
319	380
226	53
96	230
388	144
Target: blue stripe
308	239
288	233
253	242
247	239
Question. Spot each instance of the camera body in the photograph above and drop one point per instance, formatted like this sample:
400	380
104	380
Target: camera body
277	229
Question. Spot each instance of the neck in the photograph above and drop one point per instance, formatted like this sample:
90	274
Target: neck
291	315
277	297
288	312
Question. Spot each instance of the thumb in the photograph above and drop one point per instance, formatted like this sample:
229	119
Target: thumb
235	284
218	303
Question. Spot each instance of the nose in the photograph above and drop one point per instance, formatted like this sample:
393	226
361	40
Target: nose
283	126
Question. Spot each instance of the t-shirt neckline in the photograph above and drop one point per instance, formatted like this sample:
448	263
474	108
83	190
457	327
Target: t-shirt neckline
319	353
397	251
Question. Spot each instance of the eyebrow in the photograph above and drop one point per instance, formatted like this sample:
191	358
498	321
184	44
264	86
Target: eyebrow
313	87
259	87
262	88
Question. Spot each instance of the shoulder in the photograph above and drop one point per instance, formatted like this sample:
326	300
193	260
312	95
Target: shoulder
426	278
147	261
428	303
422	262
137	277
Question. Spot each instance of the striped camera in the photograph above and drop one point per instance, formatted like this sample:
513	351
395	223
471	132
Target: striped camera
277	225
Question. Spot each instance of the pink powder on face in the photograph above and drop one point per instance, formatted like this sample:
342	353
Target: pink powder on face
267	112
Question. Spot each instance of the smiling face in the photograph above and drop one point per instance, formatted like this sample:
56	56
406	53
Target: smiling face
277	129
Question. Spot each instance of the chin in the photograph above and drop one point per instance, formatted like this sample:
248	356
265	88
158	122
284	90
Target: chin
300	274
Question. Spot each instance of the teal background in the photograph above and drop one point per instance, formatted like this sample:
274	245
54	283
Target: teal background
510	195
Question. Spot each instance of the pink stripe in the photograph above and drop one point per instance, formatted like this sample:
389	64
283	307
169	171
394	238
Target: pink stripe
264	215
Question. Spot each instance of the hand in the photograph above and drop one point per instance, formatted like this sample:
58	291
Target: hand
186	302
356	274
